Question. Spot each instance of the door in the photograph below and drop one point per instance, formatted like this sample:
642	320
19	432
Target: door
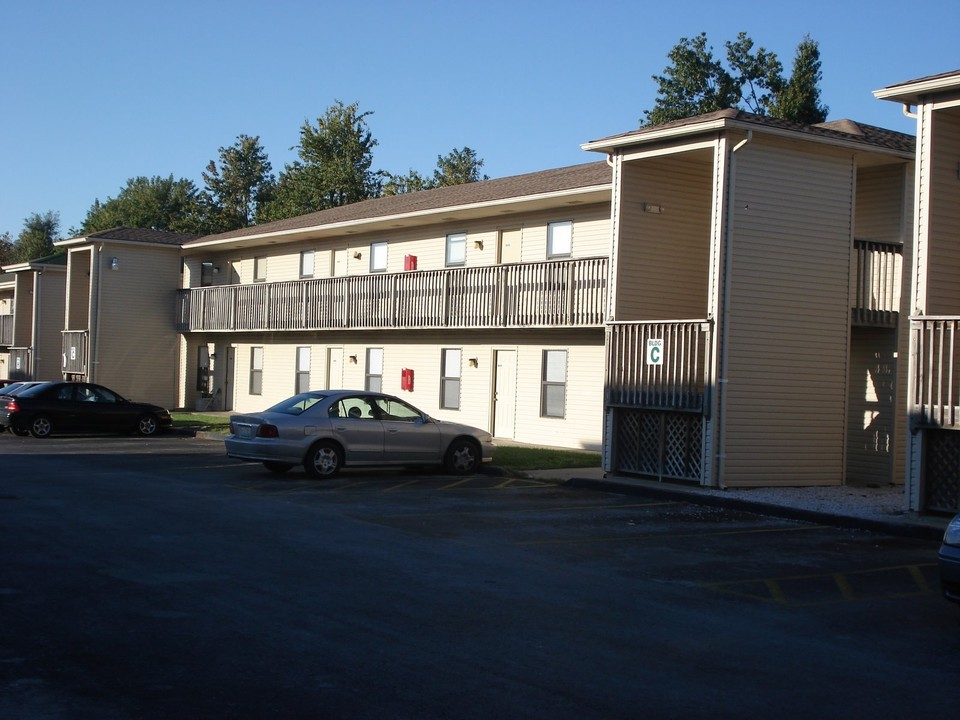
338	263
508	249
334	368
228	378
407	437
357	427
505	393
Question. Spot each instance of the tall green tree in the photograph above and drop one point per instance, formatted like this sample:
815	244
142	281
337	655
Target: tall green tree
37	237
459	166
334	165
799	99
696	82
158	203
241	184
7	249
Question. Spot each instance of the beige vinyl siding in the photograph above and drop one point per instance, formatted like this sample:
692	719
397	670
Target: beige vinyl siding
79	302
23	311
787	337
943	270
591	238
52	299
580	428
663	258
880	193
134	351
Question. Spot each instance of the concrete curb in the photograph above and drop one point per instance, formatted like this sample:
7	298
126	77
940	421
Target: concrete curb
908	526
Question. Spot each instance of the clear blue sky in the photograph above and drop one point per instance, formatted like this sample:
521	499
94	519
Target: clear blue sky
98	91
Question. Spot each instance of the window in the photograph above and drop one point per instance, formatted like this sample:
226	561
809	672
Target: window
559	239
553	391
303	370
450	378
456	249
378	257
256	371
259	269
206	273
374	376
306	264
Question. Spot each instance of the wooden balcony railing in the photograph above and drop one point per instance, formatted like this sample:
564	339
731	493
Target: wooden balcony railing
569	293
6	330
75	351
659	365
934	378
878	270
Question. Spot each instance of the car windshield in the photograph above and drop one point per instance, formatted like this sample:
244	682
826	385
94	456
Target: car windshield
297	405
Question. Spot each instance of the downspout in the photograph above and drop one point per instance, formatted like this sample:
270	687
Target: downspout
906	111
93	354
35	322
727	263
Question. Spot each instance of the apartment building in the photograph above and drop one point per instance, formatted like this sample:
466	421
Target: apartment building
932	406
31	310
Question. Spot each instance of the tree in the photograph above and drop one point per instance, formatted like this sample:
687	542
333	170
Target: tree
239	187
799	100
695	82
37	237
456	168
157	203
7	249
333	169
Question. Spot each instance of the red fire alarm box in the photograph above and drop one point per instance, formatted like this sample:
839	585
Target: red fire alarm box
409	262
406	379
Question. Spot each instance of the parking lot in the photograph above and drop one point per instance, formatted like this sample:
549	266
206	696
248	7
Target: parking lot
157	578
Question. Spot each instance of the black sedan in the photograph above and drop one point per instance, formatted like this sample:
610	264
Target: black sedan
79	407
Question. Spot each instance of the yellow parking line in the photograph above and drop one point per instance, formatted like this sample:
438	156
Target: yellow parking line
843	585
632	538
776	592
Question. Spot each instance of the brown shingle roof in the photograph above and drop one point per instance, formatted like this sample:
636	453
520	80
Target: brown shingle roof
483	191
847	130
142	235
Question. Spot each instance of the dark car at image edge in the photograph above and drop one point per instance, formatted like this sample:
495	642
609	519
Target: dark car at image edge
949	561
63	407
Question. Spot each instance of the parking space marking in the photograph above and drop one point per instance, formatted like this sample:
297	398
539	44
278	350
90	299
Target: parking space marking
667	536
830	588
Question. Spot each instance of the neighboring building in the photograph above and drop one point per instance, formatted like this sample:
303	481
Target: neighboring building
933	401
481	303
7	290
753	333
31	310
117	324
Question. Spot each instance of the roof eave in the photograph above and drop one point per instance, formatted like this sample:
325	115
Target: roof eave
362	224
914	92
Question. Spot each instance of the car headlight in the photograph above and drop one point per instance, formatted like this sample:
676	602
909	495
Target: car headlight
952	535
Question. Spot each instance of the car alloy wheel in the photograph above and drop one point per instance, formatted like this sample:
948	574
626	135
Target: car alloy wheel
323	460
148	425
463	457
41	427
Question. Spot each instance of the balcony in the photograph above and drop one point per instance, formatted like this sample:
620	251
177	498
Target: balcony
934	387
673	378
569	293
6	330
878	267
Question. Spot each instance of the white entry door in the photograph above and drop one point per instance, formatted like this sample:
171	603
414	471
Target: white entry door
334	368
509	246
505	393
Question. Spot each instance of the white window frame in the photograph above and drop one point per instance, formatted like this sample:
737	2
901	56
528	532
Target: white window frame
256	370
302	377
378	257
456	254
373	374
307	263
260	268
553	384
451	370
560	239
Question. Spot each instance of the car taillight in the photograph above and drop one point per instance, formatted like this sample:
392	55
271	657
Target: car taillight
268	431
12	406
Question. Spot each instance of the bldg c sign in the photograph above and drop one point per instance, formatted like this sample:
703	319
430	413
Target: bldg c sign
654	352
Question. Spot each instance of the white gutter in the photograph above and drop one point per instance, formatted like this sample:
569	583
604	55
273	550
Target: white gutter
915	89
724	354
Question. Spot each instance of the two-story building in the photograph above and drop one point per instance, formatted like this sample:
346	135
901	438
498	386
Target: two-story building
482	303
116	312
31	314
933	397
753	332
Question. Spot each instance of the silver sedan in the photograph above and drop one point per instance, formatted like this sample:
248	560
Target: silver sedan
325	430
